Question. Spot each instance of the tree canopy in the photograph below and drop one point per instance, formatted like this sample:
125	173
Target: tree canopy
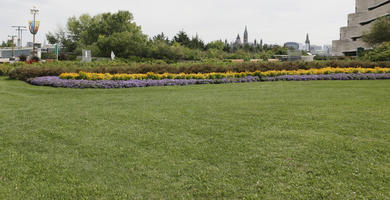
102	33
118	32
6	44
379	33
379	53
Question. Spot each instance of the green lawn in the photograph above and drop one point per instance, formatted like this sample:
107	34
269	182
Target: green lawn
276	140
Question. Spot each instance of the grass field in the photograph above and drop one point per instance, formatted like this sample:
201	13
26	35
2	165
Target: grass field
277	140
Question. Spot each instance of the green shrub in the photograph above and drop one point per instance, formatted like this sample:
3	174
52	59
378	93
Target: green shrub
4	69
380	53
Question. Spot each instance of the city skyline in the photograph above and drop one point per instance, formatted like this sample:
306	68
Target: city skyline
286	21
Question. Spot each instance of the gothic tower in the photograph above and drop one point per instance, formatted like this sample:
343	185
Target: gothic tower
261	44
307	42
238	40
246	36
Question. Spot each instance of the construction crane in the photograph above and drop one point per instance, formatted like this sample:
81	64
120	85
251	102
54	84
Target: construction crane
20	30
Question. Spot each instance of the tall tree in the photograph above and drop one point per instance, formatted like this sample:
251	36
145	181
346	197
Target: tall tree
161	37
379	33
216	45
182	38
6	44
103	33
196	43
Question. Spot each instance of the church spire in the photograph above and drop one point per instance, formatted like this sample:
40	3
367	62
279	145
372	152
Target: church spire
307	42
237	43
246	38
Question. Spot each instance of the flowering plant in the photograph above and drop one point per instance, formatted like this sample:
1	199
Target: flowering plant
214	75
55	81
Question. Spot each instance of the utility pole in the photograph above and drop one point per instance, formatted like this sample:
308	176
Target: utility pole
20	30
12	43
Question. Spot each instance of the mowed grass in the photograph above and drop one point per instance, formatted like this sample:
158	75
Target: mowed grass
279	140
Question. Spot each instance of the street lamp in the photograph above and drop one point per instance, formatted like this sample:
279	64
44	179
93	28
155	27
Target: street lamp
34	26
12	43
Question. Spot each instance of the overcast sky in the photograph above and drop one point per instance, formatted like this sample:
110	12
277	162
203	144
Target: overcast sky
275	21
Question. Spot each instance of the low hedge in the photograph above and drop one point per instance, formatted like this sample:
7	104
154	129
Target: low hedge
24	72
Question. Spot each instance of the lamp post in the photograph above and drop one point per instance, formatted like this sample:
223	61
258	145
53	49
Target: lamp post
33	29
13	46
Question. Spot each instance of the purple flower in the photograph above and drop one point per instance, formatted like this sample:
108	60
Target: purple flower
55	81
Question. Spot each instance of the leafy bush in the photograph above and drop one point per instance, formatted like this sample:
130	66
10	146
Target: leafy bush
48	56
4	69
380	53
62	56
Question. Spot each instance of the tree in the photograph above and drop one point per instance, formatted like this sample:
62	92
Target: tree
182	38
379	33
52	38
161	37
102	34
124	44
6	44
196	43
278	50
63	39
380	53
219	45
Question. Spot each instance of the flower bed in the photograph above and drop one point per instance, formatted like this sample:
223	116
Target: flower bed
55	81
22	71
199	76
342	76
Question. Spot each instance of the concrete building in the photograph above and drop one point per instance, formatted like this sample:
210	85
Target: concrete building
367	11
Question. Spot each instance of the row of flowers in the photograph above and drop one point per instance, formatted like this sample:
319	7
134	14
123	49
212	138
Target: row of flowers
55	81
199	76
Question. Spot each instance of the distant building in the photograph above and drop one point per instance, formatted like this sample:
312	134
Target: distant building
261	43
325	50
27	51
7	52
238	41
367	11
307	43
328	49
29	44
291	45
314	48
246	36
